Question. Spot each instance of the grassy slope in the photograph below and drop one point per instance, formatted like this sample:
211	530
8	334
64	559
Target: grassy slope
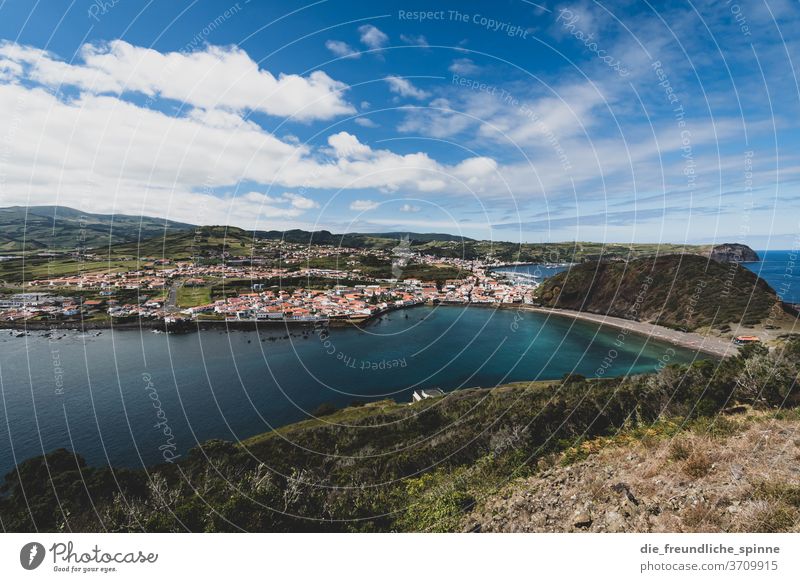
59	228
686	291
734	473
195	243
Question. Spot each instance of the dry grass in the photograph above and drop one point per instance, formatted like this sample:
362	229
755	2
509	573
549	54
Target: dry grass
698	464
743	476
679	449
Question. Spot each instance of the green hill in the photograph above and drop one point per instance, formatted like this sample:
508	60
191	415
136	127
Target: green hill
355	239
58	228
679	291
198	242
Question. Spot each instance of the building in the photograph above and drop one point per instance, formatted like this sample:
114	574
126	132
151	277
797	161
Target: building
426	393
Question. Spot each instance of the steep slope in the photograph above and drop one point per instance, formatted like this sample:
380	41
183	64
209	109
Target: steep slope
733	252
679	291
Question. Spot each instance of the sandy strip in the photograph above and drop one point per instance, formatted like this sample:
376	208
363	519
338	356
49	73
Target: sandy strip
708	344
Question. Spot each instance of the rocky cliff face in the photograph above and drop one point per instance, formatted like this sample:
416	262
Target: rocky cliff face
734	252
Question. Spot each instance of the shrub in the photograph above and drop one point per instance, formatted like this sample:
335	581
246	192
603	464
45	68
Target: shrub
679	450
697	465
324	409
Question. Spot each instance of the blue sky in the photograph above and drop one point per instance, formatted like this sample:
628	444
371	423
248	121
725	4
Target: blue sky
510	120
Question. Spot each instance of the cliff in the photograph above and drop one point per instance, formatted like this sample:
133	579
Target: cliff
733	252
679	291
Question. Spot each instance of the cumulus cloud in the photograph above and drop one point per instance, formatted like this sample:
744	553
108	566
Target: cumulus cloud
409	208
300	202
346	145
98	151
405	88
214	78
363	205
372	36
342	49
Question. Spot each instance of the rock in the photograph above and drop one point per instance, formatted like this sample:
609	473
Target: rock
733	253
615	523
582	519
625	490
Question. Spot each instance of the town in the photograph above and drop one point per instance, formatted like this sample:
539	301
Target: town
173	291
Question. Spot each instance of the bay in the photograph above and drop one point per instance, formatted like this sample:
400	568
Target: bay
111	397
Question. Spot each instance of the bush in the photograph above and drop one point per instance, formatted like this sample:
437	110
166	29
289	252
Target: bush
697	465
324	409
679	450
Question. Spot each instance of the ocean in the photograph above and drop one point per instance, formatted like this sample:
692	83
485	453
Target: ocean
781	270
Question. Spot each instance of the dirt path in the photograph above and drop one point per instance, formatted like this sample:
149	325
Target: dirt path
695	341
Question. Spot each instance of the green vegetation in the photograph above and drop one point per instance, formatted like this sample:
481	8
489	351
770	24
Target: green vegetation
193	296
386	466
198	243
55	228
679	291
32	268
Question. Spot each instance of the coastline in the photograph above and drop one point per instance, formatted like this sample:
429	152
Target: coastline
715	346
707	344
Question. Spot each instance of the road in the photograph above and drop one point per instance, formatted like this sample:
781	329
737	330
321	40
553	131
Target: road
171	304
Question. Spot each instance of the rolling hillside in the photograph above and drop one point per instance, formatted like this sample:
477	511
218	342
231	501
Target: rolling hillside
58	228
679	291
201	241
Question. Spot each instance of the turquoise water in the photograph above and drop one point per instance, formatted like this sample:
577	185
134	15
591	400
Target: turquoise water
112	397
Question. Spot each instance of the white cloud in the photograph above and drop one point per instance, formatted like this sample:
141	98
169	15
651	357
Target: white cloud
363	205
437	120
409	208
416	40
346	145
300	202
365	122
216	77
105	154
269	207
464	67
405	88
372	36
342	49
9	69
